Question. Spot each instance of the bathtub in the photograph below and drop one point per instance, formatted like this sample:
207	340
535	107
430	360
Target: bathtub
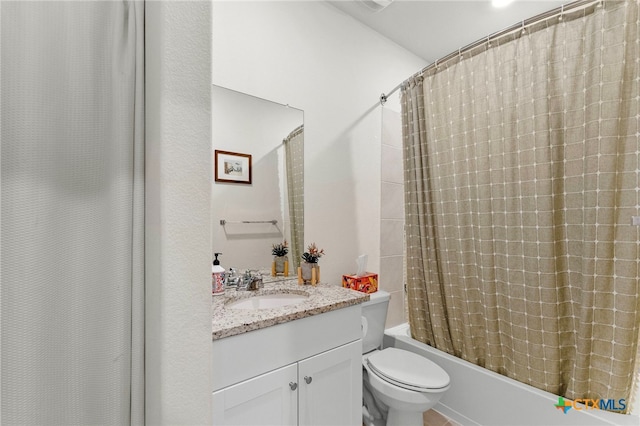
481	397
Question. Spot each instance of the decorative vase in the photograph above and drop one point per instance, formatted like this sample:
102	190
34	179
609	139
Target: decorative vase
280	266
309	273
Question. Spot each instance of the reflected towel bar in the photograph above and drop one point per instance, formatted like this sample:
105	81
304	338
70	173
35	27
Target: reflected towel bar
273	221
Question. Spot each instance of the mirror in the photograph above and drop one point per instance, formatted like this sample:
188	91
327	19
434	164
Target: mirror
248	218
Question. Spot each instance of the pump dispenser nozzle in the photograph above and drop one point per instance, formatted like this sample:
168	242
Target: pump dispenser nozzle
216	261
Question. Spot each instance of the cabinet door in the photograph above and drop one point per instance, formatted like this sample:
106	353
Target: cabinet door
331	387
269	399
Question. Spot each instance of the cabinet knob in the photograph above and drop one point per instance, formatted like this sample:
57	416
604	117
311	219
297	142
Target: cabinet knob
307	379
293	385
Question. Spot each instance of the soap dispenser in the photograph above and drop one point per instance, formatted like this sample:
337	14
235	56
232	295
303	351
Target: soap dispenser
217	276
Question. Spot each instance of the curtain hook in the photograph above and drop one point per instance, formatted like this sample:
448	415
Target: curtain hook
488	41
524	29
561	12
460	53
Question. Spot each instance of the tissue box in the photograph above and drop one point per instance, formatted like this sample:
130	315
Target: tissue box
367	283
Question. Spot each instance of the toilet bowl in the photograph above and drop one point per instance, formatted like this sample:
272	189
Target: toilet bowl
398	385
403	384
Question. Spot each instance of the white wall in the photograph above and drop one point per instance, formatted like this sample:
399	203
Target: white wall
178	238
310	55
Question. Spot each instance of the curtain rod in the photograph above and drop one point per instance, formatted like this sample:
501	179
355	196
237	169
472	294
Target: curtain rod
571	7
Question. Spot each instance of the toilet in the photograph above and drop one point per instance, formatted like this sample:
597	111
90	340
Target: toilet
398	385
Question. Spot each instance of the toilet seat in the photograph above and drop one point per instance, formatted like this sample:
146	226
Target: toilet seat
408	370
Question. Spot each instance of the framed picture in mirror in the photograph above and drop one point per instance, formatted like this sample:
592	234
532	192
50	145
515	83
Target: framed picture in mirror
232	167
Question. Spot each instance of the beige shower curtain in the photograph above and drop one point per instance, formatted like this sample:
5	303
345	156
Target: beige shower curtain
521	175
294	161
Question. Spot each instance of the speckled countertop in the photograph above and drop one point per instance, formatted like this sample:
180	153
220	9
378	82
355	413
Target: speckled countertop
322	298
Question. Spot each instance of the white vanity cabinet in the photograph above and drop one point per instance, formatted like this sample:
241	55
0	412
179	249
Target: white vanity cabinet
269	399
303	372
330	387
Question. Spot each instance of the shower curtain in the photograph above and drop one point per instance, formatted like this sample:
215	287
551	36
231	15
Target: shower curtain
521	179
72	212
294	159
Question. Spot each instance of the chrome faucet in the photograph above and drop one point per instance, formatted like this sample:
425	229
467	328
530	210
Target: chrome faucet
231	278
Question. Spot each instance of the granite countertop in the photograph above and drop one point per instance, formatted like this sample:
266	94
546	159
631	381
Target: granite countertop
322	298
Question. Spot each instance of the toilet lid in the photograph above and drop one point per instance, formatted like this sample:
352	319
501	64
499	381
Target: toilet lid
406	368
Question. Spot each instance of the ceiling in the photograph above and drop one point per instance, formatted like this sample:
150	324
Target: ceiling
432	29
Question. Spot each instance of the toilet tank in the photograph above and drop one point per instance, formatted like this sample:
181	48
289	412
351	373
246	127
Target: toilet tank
374	315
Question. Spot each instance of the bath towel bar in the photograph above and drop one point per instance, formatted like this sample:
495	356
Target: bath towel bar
223	222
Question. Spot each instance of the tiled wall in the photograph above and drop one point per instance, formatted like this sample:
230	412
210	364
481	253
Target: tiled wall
392	216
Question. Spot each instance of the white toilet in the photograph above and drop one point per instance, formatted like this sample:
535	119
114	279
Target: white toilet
398	385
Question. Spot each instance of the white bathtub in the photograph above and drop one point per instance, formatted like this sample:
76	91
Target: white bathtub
481	397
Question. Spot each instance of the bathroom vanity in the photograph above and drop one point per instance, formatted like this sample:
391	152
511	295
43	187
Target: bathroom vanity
295	364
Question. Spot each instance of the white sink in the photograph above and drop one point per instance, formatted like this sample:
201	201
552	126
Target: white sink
267	301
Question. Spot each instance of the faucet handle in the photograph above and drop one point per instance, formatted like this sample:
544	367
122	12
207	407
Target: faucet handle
256	282
231	277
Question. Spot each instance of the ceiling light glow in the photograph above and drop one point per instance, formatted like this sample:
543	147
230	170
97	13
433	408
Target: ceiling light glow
500	3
